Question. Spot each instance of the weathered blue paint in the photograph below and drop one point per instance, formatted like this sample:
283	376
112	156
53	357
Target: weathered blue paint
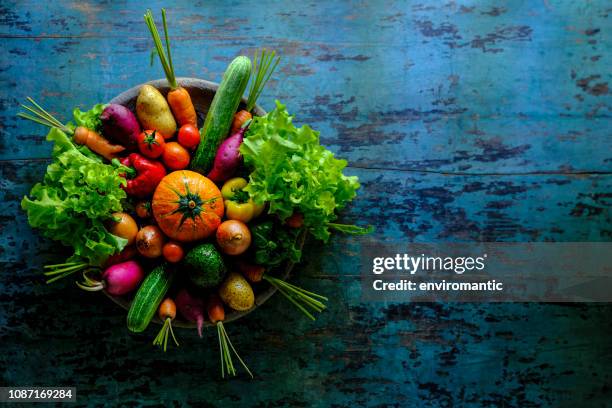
469	120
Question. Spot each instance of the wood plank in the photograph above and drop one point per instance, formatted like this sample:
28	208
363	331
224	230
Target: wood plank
435	113
394	86
356	353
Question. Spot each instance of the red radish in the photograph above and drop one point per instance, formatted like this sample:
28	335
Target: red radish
191	308
117	280
228	157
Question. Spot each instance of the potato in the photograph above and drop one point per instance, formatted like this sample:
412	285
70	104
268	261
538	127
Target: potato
154	113
236	292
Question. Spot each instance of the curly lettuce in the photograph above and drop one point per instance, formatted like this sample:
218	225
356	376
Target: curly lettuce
293	172
89	119
78	194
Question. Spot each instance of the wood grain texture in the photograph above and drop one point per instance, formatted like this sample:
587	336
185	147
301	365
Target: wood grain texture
467	120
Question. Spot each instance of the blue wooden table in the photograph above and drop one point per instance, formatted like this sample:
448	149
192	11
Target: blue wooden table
465	120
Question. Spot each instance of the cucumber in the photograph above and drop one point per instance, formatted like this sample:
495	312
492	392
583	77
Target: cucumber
147	299
221	113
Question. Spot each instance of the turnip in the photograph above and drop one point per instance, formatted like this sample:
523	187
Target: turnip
191	308
120	124
117	280
228	157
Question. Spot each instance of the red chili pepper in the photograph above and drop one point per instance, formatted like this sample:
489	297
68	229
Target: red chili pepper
148	175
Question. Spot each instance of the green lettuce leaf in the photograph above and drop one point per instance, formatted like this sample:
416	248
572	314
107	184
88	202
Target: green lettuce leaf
293	172
89	119
78	194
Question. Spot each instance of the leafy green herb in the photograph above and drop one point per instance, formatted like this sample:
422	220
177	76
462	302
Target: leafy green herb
273	244
78	194
264	65
293	172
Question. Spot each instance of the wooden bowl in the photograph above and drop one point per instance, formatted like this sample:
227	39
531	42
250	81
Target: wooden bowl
201	93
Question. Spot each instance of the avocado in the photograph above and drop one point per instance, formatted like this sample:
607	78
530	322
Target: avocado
204	266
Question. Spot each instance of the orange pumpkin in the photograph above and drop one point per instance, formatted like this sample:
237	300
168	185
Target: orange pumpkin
187	206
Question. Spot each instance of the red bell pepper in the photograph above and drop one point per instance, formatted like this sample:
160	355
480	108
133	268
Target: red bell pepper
146	175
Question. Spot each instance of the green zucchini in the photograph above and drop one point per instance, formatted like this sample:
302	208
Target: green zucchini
221	113
147	299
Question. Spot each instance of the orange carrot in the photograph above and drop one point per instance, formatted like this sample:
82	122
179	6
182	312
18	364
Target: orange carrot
80	135
240	119
97	143
264	65
182	107
167	309
178	97
167	313
216	314
215	309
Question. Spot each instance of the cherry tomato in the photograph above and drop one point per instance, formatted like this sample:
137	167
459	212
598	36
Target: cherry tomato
173	252
295	221
189	136
175	156
151	143
143	209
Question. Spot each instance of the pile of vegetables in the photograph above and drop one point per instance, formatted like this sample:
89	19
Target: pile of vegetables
184	222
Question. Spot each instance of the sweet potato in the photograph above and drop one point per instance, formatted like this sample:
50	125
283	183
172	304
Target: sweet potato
120	124
228	158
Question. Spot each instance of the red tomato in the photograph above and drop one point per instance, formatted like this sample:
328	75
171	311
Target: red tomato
175	156
151	143
143	209
296	220
173	252
189	136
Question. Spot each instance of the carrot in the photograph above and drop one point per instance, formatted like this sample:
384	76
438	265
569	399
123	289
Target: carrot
178	97
215	309
167	313
300	298
80	135
264	65
216	314
97	143
182	107
240	118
